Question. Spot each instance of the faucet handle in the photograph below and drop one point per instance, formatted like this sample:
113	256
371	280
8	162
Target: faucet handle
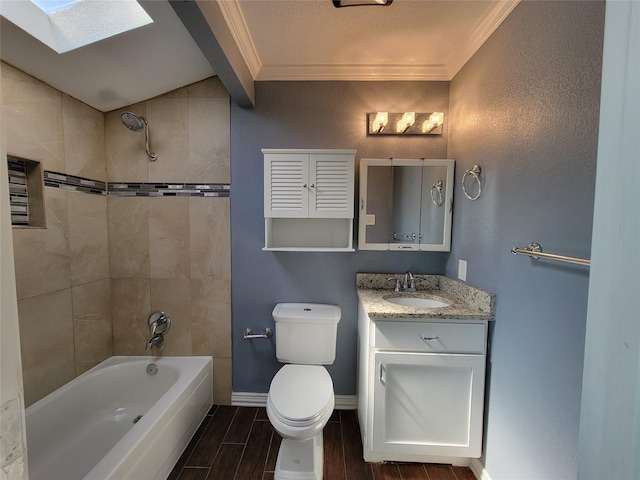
159	322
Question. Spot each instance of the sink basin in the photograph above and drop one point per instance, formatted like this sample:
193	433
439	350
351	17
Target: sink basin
417	302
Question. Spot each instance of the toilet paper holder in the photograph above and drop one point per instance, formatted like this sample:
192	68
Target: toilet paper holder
249	335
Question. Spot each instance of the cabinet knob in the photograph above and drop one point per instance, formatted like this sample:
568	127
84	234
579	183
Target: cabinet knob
304	185
312	185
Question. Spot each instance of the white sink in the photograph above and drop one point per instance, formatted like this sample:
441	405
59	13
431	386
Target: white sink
417	302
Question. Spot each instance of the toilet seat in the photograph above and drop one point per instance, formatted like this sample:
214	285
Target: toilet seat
300	399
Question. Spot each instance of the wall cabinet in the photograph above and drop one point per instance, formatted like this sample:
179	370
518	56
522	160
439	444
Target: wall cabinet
405	204
421	389
309	199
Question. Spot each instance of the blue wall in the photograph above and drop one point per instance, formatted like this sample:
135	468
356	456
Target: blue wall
312	115
526	109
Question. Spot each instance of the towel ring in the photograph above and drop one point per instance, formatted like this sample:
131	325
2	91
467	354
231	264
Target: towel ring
475	174
436	193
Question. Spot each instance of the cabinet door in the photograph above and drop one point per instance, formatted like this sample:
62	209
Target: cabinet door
286	186
331	186
428	404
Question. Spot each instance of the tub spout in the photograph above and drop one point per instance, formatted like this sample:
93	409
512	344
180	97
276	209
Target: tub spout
156	341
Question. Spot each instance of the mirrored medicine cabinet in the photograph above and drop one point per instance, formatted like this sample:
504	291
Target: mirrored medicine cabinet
405	204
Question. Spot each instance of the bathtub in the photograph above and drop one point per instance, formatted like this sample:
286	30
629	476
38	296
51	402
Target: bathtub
118	422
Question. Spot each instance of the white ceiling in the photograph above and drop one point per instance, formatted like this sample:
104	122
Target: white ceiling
278	39
407	40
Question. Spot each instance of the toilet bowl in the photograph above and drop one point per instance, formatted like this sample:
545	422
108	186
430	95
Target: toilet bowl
301	399
299	405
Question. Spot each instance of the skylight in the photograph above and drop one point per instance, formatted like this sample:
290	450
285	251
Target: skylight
53	6
65	25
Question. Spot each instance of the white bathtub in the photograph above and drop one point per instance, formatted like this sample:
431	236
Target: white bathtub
89	428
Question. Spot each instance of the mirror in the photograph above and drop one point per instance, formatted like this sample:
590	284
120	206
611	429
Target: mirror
405	204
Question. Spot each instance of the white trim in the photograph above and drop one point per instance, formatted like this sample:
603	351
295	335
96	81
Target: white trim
234	18
477	468
482	32
353	72
255	399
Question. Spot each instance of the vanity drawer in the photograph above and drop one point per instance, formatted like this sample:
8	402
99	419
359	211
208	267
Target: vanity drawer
431	337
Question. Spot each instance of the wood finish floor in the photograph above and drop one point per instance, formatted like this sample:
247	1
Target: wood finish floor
239	443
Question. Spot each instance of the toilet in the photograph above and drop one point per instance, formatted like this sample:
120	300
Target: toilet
301	399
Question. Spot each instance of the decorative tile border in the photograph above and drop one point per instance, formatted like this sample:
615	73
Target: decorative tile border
71	182
18	197
169	189
135	189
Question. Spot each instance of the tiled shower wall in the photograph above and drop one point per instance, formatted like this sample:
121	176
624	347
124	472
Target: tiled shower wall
87	283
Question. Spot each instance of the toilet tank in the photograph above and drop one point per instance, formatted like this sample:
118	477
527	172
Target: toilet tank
306	332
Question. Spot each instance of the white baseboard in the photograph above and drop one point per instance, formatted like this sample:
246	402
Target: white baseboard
478	470
252	399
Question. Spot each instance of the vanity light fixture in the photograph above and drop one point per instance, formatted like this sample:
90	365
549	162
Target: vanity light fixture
406	123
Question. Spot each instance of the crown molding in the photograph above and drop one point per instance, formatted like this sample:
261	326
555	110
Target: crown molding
234	18
482	32
352	72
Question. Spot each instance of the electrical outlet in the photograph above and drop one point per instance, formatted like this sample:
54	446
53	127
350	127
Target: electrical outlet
462	270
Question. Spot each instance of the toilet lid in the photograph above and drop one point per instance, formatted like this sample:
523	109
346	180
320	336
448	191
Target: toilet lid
301	392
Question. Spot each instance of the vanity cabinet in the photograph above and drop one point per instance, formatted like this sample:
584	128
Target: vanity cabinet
421	389
405	204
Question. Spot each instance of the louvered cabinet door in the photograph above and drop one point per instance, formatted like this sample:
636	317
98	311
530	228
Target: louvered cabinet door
286	186
331	186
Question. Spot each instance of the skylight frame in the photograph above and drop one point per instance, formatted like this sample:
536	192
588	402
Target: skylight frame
81	23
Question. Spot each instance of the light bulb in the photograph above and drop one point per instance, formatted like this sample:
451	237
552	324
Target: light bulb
408	119
380	121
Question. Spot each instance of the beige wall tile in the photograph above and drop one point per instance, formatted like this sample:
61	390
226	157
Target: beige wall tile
92	327
126	157
177	93
169	237
130	310
42	255
46	341
222	381
169	127
211	317
209	140
210	237
82	367
128	220
32	117
88	237
208	88
84	143
173	297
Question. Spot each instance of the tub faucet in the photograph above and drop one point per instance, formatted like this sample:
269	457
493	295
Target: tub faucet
159	324
156	341
409	283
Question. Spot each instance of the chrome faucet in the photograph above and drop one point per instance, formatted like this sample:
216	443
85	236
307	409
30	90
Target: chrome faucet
409	284
159	324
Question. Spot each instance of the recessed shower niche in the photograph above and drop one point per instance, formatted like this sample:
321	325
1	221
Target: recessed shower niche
26	192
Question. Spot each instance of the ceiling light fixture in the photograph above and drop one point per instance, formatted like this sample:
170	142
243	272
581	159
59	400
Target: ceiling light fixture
357	3
406	123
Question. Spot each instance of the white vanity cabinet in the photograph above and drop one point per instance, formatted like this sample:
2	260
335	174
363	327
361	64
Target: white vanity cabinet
421	389
309	199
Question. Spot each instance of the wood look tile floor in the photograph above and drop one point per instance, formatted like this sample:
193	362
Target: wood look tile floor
239	443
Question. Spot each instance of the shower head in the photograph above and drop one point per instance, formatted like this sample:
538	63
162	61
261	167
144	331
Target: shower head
137	123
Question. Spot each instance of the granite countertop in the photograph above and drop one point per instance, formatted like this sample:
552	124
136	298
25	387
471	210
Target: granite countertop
465	302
